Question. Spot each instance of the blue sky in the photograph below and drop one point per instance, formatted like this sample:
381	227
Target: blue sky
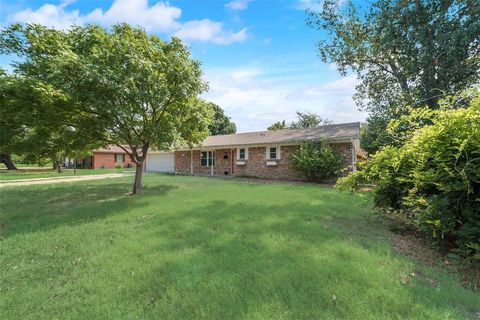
258	56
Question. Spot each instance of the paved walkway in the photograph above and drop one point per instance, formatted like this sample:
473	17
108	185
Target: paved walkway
29	182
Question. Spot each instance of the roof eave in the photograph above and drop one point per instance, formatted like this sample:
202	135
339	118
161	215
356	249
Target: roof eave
281	143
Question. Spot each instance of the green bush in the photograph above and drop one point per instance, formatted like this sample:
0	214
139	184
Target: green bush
434	177
317	161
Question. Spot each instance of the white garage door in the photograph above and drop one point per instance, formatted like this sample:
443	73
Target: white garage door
162	162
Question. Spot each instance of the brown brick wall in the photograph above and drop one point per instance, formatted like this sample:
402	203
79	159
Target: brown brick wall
345	150
107	160
182	162
255	166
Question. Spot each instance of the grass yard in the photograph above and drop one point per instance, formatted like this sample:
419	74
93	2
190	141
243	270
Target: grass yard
203	248
50	173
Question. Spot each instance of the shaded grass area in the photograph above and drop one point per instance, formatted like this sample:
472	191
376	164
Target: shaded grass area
50	173
200	248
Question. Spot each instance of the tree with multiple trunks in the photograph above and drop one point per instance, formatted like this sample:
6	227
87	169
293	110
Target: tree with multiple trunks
406	53
127	87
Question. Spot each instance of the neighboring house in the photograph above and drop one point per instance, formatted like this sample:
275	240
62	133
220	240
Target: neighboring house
108	157
263	154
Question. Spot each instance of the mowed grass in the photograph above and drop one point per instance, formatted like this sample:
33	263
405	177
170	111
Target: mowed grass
21	174
204	248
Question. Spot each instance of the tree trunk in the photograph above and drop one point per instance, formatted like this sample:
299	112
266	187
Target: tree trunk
7	160
59	166
137	185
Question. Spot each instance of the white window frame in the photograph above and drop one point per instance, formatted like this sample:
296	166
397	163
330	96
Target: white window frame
267	152
246	154
122	157
209	152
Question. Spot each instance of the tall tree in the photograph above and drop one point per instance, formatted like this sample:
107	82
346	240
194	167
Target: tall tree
305	120
221	123
128	87
35	122
8	126
405	52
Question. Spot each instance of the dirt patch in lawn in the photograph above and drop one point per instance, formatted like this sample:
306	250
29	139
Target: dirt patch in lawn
417	246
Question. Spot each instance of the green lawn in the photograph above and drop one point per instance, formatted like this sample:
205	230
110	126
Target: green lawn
203	248
49	173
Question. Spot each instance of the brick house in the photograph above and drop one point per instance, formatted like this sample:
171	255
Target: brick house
264	154
108	157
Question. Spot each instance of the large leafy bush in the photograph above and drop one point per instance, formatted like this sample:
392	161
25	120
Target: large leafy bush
434	177
317	161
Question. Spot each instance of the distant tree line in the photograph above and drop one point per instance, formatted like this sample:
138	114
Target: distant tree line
305	120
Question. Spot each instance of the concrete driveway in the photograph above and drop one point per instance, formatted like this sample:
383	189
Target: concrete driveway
30	182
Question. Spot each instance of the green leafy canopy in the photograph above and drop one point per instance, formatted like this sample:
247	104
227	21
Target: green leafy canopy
406	53
128	87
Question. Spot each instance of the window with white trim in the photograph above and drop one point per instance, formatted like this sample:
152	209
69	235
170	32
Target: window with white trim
207	158
273	153
119	157
242	153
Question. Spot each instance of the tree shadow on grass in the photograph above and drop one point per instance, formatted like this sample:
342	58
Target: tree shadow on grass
255	261
42	208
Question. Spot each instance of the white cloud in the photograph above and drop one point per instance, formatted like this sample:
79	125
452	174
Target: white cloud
245	74
237	4
314	5
208	30
345	85
159	17
255	98
49	15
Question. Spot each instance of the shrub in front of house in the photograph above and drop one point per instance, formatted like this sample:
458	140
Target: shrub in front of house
317	161
118	165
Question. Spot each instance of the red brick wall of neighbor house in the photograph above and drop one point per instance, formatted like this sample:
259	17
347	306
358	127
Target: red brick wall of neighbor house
107	160
255	165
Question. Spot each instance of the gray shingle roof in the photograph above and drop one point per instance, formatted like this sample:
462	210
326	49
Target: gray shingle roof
334	132
111	149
